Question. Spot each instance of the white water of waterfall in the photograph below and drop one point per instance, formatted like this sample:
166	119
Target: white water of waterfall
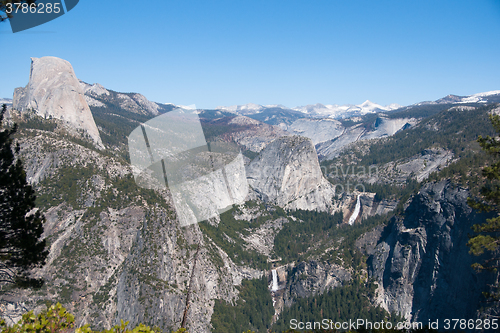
355	214
274	286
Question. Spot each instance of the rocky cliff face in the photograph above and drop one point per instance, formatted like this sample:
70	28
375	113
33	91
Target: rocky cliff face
287	173
253	134
312	278
421	260
117	251
305	279
53	91
330	137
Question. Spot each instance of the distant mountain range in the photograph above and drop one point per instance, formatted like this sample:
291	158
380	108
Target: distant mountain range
348	110
484	97
315	110
7	101
344	111
139	104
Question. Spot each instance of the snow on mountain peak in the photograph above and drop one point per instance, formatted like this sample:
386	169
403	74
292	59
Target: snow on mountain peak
345	111
487	93
246	108
368	103
393	106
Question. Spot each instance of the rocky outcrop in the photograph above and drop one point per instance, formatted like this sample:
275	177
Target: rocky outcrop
369	206
53	91
304	279
253	134
318	130
262	239
419	166
312	278
421	260
287	173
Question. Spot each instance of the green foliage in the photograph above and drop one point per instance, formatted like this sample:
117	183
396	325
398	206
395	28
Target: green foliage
67	188
487	235
314	233
310	227
124	190
116	124
57	319
227	236
452	129
339	304
21	246
419	111
387	191
54	319
69	185
253	310
39	123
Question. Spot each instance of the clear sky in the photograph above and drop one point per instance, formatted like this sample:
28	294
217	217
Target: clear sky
288	52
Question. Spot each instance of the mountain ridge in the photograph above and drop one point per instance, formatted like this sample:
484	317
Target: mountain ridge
118	252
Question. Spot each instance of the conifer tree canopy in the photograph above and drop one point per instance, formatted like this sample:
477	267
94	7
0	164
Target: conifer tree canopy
21	227
487	236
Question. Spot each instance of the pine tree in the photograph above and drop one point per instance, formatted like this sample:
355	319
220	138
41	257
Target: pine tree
21	227
488	233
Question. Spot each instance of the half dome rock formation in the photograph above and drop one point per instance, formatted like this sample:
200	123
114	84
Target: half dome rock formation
287	173
54	91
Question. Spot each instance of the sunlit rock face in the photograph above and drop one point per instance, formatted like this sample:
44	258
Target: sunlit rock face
287	173
53	91
421	260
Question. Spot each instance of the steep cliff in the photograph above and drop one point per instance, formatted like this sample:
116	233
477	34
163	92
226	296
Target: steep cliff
421	259
53	91
313	277
287	173
117	251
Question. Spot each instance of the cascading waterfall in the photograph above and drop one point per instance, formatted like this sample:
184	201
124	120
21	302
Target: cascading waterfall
355	214
274	286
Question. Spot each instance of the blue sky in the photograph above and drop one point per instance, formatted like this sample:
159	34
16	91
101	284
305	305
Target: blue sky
288	52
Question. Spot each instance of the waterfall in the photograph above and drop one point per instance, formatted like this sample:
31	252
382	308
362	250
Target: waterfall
355	214
274	286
